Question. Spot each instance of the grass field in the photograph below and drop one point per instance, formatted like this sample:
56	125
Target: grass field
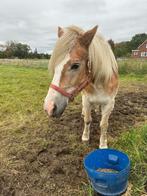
29	142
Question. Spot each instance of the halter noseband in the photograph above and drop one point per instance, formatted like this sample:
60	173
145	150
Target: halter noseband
78	89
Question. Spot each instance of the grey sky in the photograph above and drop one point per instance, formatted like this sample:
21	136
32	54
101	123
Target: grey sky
35	21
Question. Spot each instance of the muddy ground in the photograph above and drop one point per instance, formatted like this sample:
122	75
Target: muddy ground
57	169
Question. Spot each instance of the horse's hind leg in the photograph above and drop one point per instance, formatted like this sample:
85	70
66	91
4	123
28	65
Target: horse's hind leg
86	110
106	111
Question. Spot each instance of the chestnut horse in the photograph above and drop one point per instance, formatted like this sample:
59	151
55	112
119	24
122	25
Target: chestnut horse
83	61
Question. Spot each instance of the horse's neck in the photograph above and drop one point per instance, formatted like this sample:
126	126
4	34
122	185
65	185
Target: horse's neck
109	87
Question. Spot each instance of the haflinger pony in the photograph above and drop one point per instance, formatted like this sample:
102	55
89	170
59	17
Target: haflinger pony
83	61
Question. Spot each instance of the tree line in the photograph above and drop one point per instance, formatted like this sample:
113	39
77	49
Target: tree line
13	49
22	51
124	49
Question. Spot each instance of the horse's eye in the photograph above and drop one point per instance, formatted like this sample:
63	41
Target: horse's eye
75	66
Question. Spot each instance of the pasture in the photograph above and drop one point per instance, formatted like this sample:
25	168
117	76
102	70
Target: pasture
40	157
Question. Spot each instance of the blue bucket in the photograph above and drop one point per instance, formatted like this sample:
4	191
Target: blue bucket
107	183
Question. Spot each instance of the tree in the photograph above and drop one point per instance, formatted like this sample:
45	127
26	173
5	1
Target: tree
111	43
13	49
19	50
35	54
137	40
22	50
122	49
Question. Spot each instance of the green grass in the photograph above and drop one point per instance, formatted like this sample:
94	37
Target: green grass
133	70
21	90
42	63
133	67
23	87
130	78
134	143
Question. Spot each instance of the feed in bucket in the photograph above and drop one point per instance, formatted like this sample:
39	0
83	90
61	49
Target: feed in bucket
107	170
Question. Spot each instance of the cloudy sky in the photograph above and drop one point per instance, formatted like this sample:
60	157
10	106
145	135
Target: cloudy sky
35	21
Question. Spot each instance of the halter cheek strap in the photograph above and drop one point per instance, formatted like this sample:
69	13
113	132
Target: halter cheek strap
71	95
61	91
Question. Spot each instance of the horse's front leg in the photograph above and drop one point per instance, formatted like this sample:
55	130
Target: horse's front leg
106	111
86	111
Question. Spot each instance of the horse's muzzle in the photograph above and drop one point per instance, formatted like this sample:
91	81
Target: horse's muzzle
54	109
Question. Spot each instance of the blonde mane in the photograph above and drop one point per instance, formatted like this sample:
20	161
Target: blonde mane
101	58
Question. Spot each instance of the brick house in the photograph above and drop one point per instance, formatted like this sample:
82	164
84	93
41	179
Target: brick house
141	51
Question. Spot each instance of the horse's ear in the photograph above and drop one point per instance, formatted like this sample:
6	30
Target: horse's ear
60	31
87	37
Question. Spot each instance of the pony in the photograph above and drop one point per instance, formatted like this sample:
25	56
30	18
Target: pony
82	61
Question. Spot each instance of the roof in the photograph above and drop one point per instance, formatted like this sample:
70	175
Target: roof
142	43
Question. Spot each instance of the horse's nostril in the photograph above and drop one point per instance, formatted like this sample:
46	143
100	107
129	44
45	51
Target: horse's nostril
46	111
54	109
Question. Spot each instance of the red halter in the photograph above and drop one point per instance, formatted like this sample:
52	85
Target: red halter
78	89
71	95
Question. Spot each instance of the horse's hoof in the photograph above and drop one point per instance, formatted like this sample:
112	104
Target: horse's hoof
85	140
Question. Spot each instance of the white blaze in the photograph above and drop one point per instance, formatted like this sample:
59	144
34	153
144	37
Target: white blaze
56	80
58	71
